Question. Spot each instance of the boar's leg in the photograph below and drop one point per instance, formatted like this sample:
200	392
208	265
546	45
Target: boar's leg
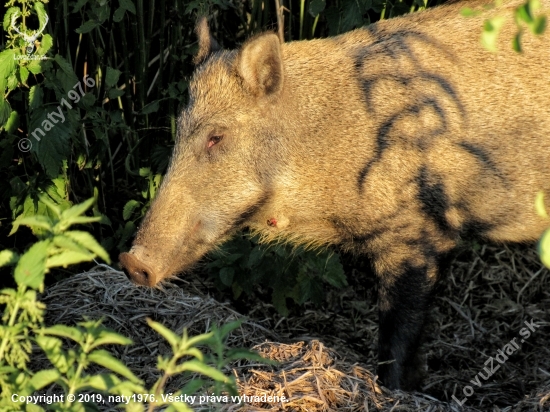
404	299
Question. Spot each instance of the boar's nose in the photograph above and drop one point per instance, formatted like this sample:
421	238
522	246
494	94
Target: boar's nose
137	271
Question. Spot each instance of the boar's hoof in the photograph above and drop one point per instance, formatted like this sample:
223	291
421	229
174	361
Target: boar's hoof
138	272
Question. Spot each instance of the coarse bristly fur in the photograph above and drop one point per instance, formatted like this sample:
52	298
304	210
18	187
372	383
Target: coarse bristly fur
392	141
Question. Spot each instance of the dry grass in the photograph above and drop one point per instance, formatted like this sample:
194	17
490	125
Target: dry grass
480	307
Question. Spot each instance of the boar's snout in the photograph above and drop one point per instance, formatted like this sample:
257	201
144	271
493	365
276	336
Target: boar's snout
137	271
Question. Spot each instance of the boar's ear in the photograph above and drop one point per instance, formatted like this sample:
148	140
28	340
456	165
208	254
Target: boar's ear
207	43
260	65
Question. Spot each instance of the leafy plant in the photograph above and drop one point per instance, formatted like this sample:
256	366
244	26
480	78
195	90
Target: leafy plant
524	15
23	325
300	275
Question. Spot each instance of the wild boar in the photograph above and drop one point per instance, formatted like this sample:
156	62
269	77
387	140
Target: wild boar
392	141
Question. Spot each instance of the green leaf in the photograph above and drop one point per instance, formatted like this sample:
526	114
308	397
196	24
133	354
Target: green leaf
89	242
67	258
12	81
128	5
12	123
105	359
81	220
102	382
8	258
129	209
316	7
144	171
352	13
112	76
79	4
35	66
33	222
78	209
196	340
539	26
119	14
110	337
31	268
64	331
255	256
491	30
65	243
5	111
115	93
278	299
238	353
150	108
128	230
44	378
87	26
7	63
202	368
166	333
539	205
50	141
334	271
516	42
53	349
127	388
23	74
65	66
468	12
544	248
88	100
41	13
524	14
230	327
195	353
226	275
36	96
232	258
7	16
46	44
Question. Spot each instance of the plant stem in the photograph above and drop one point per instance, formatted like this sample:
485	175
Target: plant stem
11	322
302	6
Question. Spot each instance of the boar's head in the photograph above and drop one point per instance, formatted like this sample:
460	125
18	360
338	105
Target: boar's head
225	157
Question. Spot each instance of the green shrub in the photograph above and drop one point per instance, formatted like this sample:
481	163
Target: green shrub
23	326
299	275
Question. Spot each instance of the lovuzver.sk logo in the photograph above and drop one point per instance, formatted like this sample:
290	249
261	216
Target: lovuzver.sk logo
501	357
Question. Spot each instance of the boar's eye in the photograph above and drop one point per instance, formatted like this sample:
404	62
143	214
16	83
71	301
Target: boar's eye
213	140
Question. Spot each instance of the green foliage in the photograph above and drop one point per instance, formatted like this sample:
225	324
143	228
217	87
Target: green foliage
544	242
524	15
300	275
23	325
